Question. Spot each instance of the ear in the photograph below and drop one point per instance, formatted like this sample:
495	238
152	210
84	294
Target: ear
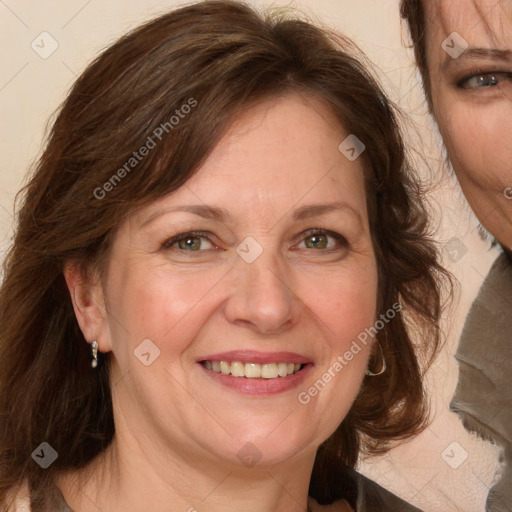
89	304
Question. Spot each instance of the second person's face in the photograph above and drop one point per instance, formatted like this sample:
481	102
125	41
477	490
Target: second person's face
469	58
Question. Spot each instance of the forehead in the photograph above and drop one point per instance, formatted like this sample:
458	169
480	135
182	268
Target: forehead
477	31
293	135
479	22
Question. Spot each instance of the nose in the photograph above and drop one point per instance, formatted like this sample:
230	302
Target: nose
262	298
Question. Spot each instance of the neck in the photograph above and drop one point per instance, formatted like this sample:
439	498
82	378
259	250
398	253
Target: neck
128	476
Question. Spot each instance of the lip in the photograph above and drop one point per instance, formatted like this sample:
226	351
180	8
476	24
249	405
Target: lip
254	356
258	387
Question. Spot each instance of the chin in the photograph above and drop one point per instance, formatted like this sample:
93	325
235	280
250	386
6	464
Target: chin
273	450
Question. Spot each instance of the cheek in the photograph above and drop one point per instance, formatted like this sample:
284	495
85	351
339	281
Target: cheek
153	303
478	140
461	151
344	304
347	310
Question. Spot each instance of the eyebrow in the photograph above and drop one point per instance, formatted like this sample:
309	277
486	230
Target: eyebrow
201	210
480	53
222	215
314	210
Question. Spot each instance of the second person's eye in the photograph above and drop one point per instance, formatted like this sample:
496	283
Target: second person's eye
484	80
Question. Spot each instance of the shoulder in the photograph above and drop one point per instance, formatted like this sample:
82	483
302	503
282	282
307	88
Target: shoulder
500	273
20	499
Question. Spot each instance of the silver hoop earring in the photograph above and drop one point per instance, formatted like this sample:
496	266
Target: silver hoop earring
94	349
383	368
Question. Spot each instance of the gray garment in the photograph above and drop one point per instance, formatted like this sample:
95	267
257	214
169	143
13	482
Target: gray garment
483	398
371	497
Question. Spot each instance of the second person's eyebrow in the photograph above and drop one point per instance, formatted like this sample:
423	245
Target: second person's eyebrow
474	53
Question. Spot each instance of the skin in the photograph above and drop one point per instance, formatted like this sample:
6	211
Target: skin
474	110
178	431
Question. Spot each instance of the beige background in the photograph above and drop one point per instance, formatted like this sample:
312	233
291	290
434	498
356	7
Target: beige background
31	88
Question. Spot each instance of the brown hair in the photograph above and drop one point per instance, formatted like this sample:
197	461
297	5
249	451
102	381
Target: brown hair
412	11
225	57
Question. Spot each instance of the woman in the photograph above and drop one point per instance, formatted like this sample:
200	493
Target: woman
224	225
466	70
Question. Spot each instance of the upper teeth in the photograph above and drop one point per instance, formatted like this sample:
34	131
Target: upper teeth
253	370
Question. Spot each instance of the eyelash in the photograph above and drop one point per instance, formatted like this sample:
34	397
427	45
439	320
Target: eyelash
339	238
501	75
183	236
168	244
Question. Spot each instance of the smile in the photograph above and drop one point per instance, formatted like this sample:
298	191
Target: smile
253	370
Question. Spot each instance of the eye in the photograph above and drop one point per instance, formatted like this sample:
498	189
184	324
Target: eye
485	80
320	239
189	242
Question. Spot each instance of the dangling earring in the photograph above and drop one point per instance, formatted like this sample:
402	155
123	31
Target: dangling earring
383	368
94	349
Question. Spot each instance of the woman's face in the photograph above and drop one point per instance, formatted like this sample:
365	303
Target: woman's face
471	82
263	259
